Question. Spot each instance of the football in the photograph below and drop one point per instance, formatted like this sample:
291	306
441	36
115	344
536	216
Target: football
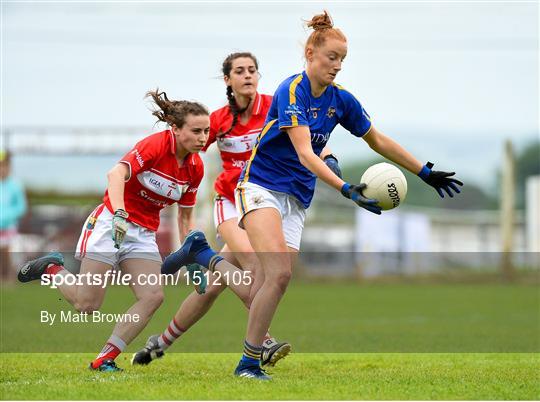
386	183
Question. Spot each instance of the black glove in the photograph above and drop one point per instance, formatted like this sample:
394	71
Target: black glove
440	180
332	162
354	193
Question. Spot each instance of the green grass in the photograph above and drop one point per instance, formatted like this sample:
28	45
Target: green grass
349	342
332	317
300	376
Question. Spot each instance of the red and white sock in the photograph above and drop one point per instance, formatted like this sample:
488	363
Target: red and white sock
53	269
170	335
111	350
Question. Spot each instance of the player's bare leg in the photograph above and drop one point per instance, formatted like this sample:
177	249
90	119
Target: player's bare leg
87	298
265	233
149	298
84	296
195	306
237	239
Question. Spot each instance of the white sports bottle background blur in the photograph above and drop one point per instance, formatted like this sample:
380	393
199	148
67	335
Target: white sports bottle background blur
386	183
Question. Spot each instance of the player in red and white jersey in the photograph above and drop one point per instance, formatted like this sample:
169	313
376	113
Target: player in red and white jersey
235	138
162	169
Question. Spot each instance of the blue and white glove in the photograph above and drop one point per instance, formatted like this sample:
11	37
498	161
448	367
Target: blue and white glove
332	162
119	226
354	192
440	180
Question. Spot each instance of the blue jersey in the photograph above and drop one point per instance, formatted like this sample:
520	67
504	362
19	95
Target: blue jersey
274	163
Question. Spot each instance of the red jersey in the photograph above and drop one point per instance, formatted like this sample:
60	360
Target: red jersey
156	180
235	147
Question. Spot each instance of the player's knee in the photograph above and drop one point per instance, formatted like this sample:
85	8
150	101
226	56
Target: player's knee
87	307
153	300
214	290
251	263
282	278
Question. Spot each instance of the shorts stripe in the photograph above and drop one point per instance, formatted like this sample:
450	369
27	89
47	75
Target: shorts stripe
240	200
221	216
243	201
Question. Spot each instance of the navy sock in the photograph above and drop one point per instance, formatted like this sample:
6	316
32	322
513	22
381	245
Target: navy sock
200	252
252	354
208	258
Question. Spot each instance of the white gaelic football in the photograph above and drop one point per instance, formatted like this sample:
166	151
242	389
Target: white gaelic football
386	183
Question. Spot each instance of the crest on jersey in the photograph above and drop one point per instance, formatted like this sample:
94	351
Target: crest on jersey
331	112
292	110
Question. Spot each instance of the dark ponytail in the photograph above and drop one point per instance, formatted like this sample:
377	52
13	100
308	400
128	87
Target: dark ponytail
173	111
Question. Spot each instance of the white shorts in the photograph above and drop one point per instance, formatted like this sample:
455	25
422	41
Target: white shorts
250	197
96	241
224	210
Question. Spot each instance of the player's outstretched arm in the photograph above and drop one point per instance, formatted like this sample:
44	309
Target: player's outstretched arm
301	140
391	150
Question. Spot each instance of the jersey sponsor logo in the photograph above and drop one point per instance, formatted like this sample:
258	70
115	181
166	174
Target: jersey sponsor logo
314	111
238	164
318	138
238	144
162	185
138	157
330	112
147	197
293	110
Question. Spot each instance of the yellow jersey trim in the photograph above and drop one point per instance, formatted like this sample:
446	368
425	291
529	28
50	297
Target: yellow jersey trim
292	97
259	138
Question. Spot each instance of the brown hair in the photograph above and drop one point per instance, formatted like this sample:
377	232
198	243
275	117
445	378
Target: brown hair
174	112
226	69
323	29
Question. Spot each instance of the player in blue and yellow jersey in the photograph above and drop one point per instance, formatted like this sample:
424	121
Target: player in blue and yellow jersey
278	182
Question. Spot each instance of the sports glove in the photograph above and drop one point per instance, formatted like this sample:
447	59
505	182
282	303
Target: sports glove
354	193
440	180
332	162
119	226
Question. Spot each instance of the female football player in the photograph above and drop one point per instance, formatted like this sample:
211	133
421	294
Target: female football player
234	128
160	170
278	182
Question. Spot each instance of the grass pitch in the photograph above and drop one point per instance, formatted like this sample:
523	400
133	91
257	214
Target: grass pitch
352	342
301	376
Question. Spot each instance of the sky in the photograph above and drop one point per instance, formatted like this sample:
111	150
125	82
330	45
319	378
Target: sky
448	80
